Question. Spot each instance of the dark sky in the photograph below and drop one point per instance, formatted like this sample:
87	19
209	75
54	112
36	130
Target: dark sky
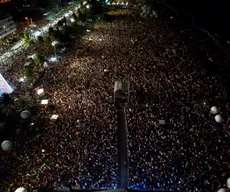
212	15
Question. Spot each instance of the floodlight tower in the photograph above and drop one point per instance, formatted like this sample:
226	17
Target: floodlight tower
121	99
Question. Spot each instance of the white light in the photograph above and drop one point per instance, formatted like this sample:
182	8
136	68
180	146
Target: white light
37	33
32	56
84	2
54	43
100	39
90	39
67	15
21	79
44	101
87	6
87	30
53	59
43	150
40	91
54	117
105	70
72	20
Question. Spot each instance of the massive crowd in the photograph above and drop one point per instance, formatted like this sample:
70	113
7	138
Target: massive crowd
174	142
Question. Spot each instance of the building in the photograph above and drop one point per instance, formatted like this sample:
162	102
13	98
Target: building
7	25
4	1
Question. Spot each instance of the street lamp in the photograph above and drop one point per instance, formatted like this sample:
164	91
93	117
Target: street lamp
54	43
26	18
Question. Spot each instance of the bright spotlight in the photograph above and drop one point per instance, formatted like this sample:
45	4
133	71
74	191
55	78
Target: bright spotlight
72	20
87	6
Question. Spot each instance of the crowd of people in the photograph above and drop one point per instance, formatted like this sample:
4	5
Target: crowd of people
174	142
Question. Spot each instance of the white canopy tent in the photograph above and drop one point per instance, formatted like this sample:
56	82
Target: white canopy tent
40	91
222	190
25	114
54	117
21	189
228	182
214	110
6	145
219	119
45	102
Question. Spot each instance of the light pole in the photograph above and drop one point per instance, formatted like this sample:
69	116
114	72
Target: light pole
121	99
54	43
28	21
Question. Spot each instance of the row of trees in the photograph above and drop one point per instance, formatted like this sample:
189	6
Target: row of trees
62	32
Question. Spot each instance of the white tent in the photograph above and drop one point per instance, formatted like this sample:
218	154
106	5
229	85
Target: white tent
228	183
40	91
222	190
25	114
45	101
6	145
21	189
54	117
219	119
214	110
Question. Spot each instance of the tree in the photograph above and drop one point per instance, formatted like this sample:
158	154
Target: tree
40	40
29	73
64	20
26	36
21	103
81	15
51	31
6	98
39	59
58	35
47	41
74	16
